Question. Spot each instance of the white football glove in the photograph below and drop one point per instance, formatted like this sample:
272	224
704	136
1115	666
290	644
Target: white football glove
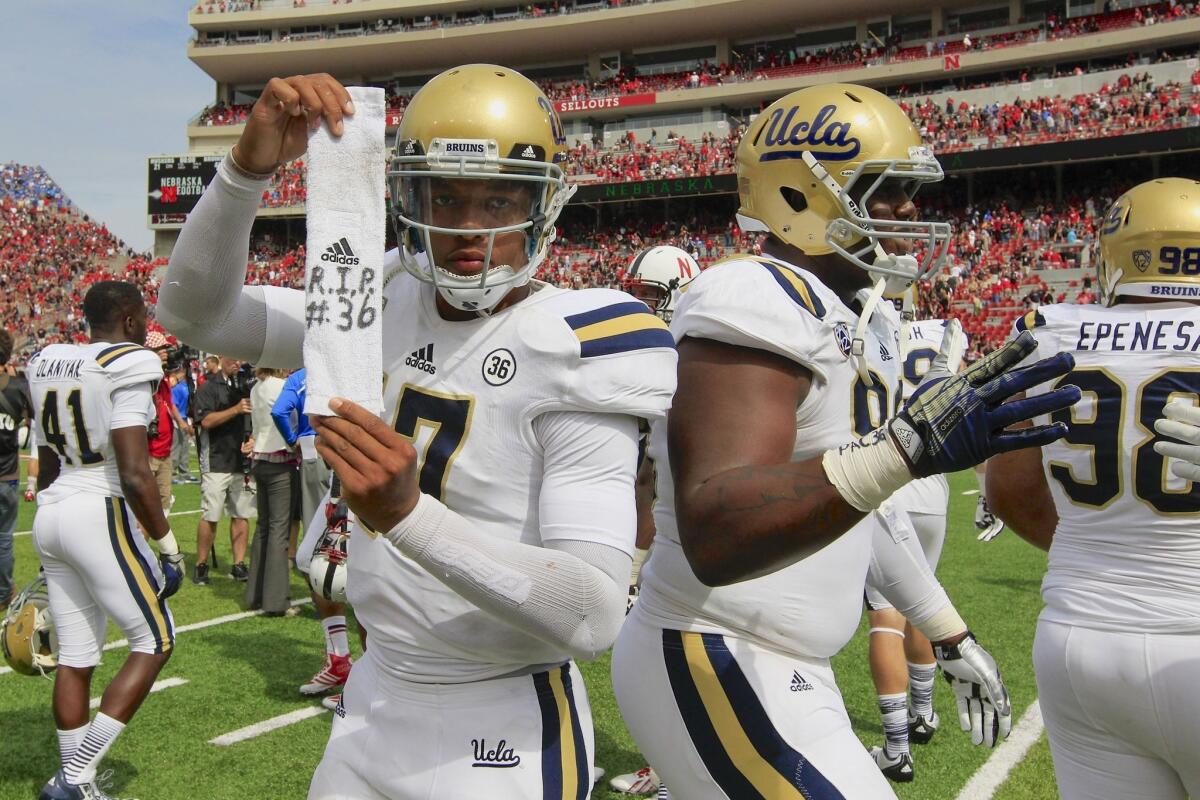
986	523
983	705
1182	422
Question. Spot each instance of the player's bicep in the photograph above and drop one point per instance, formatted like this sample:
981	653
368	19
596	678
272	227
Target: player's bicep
734	407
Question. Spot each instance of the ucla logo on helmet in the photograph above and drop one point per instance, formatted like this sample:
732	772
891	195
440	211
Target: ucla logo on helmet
1141	260
826	140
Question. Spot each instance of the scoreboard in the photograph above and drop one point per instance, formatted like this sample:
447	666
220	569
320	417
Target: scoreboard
175	186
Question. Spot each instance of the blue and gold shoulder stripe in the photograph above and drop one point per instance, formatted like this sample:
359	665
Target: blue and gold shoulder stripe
1029	321
795	287
618	328
110	354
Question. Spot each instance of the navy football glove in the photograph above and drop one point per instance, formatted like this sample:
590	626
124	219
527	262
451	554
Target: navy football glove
172	570
957	421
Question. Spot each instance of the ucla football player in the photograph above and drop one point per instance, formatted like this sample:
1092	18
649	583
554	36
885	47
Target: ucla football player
902	660
784	441
1118	642
92	404
494	501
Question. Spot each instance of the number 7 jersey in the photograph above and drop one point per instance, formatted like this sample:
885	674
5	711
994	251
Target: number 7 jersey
1126	552
72	389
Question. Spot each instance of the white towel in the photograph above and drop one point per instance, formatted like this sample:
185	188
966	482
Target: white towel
343	342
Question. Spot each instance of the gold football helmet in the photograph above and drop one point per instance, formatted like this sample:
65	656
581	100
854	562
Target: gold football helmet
27	636
809	164
478	144
1150	242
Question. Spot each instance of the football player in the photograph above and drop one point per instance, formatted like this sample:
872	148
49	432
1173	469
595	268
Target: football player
902	660
765	522
1118	642
657	276
494	501
92	405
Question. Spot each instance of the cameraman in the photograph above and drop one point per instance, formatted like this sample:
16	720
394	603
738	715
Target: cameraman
222	409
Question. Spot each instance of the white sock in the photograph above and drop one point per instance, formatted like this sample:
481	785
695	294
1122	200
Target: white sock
335	636
920	687
69	741
894	713
100	735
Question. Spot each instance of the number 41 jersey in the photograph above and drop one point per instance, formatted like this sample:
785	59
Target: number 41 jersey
467	393
72	389
1126	553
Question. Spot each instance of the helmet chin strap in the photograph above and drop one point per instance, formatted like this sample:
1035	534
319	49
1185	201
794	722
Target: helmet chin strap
890	285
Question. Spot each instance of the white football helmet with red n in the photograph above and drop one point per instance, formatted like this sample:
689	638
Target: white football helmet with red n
657	275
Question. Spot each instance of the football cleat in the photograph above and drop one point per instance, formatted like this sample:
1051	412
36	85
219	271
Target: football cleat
921	729
598	774
331	701
897	769
57	788
987	523
332	675
644	781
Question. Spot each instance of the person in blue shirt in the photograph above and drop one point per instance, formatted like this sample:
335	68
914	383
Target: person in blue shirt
289	417
181	397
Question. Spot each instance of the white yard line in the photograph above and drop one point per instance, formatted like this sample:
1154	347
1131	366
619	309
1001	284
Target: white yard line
267	725
172	514
166	683
970	492
1007	756
195	626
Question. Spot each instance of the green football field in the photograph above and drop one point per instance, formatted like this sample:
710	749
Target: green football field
242	670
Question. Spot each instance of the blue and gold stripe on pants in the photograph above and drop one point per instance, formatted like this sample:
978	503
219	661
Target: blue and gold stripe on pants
729	727
565	772
138	574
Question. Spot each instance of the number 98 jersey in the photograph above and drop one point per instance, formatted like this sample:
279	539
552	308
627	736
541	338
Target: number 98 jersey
1126	555
72	387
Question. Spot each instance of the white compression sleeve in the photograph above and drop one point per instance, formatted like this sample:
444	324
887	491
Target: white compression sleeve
202	299
572	591
900	573
565	595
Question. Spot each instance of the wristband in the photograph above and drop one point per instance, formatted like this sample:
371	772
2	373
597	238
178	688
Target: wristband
943	624
167	546
867	471
30	483
245	173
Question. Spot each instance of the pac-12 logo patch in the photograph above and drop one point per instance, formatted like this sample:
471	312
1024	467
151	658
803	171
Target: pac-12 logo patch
841	335
1141	260
499	366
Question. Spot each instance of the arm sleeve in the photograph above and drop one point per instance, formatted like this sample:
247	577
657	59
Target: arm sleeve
202	299
571	592
281	412
899	572
132	406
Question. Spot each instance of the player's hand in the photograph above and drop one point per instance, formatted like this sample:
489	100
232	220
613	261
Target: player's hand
277	128
987	523
244	407
29	495
377	467
957	421
1182	422
173	569
983	705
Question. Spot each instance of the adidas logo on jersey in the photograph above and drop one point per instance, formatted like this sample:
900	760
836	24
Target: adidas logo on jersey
422	359
799	684
883	353
340	253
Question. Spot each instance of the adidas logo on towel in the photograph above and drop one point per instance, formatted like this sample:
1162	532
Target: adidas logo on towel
340	253
799	684
528	152
422	359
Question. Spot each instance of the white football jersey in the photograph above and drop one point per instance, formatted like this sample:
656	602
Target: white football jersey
813	606
467	393
72	387
923	495
1126	554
